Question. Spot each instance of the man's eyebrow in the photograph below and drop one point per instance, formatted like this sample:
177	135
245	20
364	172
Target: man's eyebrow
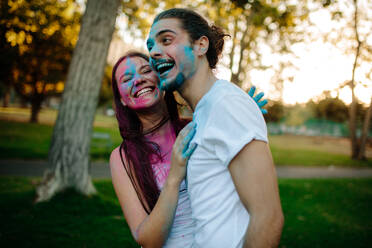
164	31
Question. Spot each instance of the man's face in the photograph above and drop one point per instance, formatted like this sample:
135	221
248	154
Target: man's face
172	55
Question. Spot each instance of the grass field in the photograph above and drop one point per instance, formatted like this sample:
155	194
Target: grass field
23	140
318	213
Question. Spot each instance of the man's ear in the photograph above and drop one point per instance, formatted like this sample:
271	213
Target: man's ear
201	46
122	102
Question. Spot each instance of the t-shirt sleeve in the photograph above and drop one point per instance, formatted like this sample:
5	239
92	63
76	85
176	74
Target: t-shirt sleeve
234	121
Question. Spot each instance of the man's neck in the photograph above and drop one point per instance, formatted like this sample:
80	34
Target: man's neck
198	85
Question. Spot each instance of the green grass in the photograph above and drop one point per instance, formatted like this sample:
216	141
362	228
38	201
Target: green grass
31	141
309	157
68	220
318	213
326	212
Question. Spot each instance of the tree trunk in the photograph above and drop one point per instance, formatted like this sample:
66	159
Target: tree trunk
6	98
69	151
8	88
363	138
353	120
35	110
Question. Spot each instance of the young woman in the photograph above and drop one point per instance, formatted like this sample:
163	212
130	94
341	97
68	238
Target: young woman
147	173
232	183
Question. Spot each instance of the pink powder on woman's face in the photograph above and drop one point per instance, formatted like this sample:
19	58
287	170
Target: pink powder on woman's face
134	75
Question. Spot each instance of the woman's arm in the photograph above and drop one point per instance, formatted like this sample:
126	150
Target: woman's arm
152	230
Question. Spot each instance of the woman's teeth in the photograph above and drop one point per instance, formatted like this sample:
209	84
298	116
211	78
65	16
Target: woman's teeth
143	91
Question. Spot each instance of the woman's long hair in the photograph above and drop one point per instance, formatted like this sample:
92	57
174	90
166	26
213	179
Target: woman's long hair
139	152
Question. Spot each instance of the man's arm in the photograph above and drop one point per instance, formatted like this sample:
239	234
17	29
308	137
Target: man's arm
254	176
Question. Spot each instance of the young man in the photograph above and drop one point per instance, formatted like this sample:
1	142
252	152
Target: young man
231	177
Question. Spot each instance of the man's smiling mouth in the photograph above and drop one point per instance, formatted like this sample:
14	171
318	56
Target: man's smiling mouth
164	66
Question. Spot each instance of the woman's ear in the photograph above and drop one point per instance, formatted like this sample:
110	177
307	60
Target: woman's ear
201	46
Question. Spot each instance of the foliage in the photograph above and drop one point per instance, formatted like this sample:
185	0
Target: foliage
335	211
252	25
275	111
353	37
38	37
298	114
332	109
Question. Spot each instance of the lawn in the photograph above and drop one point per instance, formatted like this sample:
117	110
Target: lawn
318	213
22	140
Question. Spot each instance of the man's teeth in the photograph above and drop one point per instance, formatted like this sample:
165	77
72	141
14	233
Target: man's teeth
143	91
163	65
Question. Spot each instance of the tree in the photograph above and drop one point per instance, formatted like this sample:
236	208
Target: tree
36	47
365	130
275	111
353	38
332	109
357	148
253	26
69	152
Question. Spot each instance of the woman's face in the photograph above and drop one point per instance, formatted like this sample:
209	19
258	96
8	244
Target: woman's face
137	83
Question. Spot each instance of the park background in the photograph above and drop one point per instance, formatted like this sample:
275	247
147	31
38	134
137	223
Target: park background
311	58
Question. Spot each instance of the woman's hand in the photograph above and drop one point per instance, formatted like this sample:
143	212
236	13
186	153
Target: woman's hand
181	153
257	99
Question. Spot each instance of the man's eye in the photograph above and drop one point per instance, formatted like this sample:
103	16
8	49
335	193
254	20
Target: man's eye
166	40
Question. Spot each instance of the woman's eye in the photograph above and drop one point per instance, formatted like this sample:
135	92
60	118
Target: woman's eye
125	80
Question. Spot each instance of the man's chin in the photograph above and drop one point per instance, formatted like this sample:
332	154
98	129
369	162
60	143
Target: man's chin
172	84
168	84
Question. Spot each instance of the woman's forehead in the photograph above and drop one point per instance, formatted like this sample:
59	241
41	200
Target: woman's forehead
131	65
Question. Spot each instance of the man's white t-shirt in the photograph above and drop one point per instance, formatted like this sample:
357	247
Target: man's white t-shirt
227	119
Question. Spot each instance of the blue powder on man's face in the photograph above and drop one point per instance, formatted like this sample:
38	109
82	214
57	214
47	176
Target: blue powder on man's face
180	78
176	84
189	54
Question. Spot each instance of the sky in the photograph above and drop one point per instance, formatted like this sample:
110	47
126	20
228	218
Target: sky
320	66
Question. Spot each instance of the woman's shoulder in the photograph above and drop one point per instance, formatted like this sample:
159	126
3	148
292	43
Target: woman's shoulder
115	158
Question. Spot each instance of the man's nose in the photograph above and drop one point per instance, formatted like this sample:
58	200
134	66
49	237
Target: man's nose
155	52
